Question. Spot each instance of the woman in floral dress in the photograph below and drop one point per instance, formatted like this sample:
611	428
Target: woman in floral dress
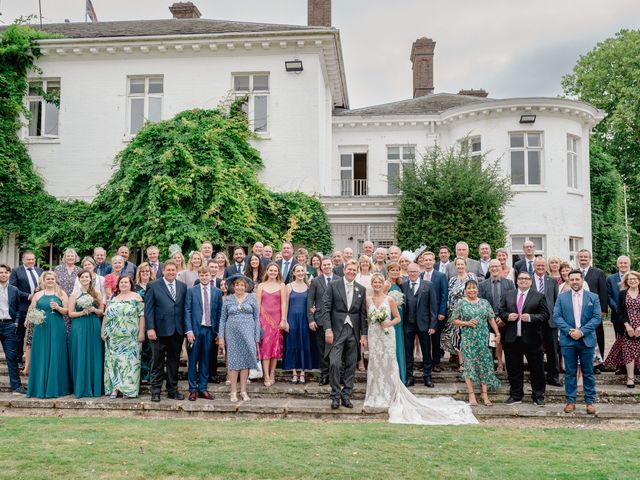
66	275
393	289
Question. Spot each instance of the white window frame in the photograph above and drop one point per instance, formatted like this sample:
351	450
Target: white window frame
468	145
251	94
526	148
540	241
575	245
573	162
31	98
402	160
348	192
144	95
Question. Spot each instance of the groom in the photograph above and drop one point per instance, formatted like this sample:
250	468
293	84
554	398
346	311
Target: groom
344	320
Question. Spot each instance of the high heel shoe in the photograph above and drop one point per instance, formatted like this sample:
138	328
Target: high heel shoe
233	397
486	401
631	382
472	400
294	380
244	396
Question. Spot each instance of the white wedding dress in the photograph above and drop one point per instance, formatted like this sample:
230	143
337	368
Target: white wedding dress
386	390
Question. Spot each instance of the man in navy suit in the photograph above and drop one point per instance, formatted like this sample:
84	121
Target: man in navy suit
238	265
202	310
613	291
153	257
216	282
164	319
25	278
525	264
441	289
103	267
287	263
548	287
444	254
9	307
577	315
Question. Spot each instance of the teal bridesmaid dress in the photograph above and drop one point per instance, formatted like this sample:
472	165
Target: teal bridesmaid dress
87	355
49	372
400	351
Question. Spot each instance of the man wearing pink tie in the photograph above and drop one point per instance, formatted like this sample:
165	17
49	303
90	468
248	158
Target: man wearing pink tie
577	315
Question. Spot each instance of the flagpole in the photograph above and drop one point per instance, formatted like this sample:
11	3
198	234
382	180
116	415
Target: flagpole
40	11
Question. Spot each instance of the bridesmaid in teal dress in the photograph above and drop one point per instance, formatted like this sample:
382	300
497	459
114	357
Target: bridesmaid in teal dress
49	372
394	278
87	357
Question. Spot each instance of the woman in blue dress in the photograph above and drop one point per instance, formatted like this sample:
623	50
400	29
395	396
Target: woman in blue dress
393	290
297	352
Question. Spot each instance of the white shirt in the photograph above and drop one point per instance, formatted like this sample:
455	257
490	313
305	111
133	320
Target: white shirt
485	265
524	300
443	267
4	302
202	287
175	288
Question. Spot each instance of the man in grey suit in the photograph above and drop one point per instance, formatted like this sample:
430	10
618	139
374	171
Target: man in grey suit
548	287
344	319
473	266
495	287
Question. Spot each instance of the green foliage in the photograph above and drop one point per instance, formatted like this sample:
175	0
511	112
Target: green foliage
447	197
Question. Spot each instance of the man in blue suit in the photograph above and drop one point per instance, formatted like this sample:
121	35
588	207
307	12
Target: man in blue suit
202	309
577	315
441	289
9	307
613	291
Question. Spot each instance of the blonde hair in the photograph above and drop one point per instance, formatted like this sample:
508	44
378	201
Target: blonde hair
368	260
58	290
624	284
145	265
190	263
182	265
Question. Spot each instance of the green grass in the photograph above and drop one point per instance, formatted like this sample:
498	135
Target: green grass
78	448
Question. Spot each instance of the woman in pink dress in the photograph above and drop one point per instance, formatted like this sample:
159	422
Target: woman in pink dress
272	302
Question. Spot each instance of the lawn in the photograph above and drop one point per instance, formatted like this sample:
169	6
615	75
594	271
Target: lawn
78	448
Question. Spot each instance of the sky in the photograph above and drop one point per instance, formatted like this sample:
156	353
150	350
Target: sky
511	48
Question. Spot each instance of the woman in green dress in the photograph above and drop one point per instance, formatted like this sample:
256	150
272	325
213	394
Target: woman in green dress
393	290
49	372
123	334
87	356
144	275
474	315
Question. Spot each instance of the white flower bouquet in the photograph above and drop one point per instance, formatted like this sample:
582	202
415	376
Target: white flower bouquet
397	297
85	301
35	317
378	316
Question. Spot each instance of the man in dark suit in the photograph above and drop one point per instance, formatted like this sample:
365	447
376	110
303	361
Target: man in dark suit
238	265
441	289
103	267
215	282
129	268
9	308
338	265
202	310
613	291
153	258
344	319
25	278
495	287
287	263
164	318
597	282
420	318
548	287
524	311
315	311
442	264
484	252
525	264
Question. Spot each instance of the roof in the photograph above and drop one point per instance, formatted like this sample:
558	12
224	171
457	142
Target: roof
173	26
426	105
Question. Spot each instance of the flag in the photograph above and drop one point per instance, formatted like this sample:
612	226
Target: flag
90	13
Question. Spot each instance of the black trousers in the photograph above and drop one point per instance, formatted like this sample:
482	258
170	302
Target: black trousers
514	353
344	350
600	338
323	360
435	344
410	331
166	355
21	331
550	340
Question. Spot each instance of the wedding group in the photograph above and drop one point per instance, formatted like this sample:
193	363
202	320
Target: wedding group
97	326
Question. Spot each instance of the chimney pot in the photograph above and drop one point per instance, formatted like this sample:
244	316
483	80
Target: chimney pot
482	93
422	59
319	13
184	10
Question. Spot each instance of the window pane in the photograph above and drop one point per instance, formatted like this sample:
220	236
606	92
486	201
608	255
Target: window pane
241	83
346	174
517	168
35	108
53	86
155	109
537	241
569	143
569	172
260	113
393	172
50	119
533	139
261	83
137	114
476	146
345	160
517	243
35	88
136	85
156	85
533	168
393	153
517	140
408	153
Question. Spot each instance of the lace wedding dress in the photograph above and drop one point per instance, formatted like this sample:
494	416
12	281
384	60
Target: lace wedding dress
386	390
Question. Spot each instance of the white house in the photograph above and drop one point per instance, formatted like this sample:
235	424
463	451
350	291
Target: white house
113	76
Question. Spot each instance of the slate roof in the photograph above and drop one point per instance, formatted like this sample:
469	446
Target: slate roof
427	105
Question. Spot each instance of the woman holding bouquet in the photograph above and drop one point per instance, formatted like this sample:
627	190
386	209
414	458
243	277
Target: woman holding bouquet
87	357
49	372
393	289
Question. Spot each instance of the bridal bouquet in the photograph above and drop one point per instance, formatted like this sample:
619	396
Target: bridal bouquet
85	301
379	316
398	297
35	317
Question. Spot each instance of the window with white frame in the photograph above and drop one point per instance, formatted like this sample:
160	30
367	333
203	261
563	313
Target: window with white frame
44	112
526	158
575	245
517	244
255	87
472	146
346	174
144	96
573	172
398	157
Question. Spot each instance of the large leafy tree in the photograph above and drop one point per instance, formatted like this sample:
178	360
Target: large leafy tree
469	208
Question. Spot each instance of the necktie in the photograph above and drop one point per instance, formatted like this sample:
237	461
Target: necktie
428	276
327	279
349	294
172	291
212	283
285	270
494	293
207	310
520	303
530	267
541	284
413	287
577	309
239	267
33	283
155	267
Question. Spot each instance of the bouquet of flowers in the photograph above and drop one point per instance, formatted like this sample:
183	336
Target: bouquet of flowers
398	297
35	317
85	301
379	316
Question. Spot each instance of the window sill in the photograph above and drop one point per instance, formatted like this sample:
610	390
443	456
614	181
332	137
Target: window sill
528	188
572	191
263	136
38	140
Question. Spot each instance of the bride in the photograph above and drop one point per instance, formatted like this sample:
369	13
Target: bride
384	387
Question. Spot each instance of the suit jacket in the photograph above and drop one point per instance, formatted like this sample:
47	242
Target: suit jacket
129	269
485	290
20	279
13	295
441	286
597	282
160	267
193	309
232	270
161	312
623	314
589	321
535	305
335	309
426	310
339	270
550	294
104	269
314	299
613	293
216	282
437	267
521	266
289	273
473	266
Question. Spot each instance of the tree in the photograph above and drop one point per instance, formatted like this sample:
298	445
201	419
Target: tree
469	207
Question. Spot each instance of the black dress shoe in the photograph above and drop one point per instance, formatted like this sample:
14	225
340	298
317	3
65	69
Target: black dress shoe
347	403
428	383
410	382
323	381
176	396
214	379
437	368
335	404
512	401
538	402
555	383
597	370
155	397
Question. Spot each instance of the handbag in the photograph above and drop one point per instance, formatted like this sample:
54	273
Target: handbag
492	340
256	373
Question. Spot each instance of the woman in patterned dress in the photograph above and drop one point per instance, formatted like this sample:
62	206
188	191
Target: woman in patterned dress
111	279
123	334
473	316
144	275
66	274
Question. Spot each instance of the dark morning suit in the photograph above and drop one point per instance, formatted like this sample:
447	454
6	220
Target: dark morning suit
20	280
314	299
522	265
339	270
578	350
613	292
8	335
233	269
199	353
528	344
549	330
166	317
597	282
420	314
344	349
289	276
441	286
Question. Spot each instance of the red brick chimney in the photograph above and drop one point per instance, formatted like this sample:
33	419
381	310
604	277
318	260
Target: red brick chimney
422	59
319	13
482	93
184	10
